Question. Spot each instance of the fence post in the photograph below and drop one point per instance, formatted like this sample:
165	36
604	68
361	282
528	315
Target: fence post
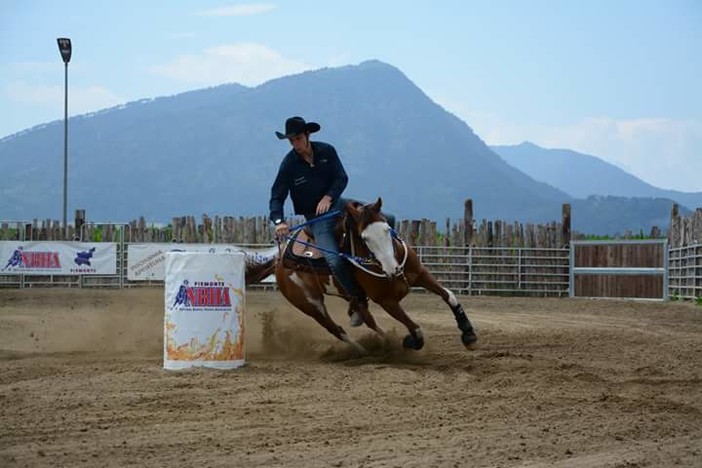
565	224
470	270
468	222
79	222
674	229
519	269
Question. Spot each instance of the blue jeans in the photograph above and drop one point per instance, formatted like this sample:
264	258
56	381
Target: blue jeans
323	231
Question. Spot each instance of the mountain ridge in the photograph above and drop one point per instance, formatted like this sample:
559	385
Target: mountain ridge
214	151
563	168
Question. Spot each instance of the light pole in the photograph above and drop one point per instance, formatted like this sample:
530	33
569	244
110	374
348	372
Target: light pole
64	45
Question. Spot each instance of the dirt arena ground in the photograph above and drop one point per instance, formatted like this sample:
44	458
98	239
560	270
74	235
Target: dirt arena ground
554	383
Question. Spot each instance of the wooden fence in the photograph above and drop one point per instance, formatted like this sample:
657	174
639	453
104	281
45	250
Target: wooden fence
619	269
684	230
257	230
685	255
486	257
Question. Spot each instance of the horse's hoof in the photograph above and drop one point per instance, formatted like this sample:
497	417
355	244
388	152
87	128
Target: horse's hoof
410	342
469	339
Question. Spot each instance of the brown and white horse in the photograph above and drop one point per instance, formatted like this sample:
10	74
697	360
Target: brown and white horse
385	267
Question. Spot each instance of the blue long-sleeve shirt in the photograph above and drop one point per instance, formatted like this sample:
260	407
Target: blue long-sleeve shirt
307	183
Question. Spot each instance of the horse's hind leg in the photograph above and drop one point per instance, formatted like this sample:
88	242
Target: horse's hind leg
415	339
428	282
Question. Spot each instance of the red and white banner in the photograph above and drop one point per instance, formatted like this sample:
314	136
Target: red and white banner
147	261
58	258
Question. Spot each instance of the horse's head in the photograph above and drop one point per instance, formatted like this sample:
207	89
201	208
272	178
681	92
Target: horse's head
375	232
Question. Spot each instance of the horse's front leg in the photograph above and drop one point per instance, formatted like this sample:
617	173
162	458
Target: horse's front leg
427	281
415	339
368	318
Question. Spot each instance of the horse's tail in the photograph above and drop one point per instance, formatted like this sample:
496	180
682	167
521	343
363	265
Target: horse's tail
256	272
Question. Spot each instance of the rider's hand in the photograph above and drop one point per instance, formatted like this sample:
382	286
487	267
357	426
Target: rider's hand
324	205
282	230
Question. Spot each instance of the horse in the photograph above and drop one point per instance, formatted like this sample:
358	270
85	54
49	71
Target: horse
385	267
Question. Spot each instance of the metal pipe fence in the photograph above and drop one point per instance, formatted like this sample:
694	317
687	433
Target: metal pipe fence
685	272
515	271
498	271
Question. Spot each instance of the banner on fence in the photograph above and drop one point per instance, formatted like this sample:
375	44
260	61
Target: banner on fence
57	258
147	261
204	320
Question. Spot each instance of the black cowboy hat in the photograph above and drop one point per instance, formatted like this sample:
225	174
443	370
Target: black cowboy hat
295	126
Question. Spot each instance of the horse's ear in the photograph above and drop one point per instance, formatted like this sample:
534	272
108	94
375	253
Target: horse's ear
353	211
377	205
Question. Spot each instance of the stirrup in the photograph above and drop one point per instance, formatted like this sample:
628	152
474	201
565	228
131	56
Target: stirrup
355	305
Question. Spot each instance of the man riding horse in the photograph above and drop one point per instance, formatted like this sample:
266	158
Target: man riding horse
312	173
315	179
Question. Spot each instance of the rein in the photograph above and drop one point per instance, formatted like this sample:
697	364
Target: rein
355	260
328	214
351	258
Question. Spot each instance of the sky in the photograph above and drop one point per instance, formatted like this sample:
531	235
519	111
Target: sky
617	79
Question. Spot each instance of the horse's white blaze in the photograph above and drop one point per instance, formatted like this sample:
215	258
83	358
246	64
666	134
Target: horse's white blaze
451	298
315	302
379	241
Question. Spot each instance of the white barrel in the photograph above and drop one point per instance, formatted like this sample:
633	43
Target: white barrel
204	320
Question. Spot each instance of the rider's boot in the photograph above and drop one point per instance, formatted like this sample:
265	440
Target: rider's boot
356	307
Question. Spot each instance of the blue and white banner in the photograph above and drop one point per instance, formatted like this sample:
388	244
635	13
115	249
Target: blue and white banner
57	258
147	261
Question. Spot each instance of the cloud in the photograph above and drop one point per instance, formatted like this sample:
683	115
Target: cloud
81	100
239	10
661	151
245	63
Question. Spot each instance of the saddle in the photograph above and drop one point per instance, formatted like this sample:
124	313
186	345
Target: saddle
300	254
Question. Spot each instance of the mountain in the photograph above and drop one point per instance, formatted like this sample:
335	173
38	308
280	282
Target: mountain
564	169
616	215
214	151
